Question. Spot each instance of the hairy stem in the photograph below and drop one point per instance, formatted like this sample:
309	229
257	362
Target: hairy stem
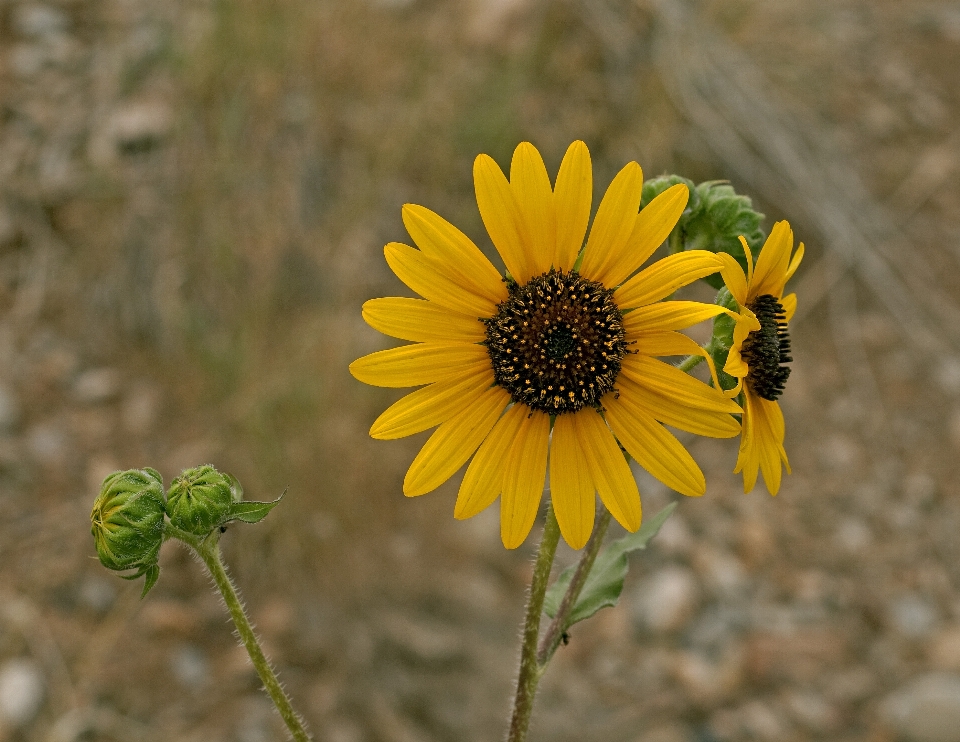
690	362
529	674
554	633
209	551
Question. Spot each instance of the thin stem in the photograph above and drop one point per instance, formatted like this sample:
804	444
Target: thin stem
209	551
529	675
675	242
689	363
554	633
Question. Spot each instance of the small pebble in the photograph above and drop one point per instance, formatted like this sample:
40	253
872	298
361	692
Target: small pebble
926	709
21	691
96	386
665	601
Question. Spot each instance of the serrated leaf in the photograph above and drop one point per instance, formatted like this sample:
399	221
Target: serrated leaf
251	512
605	581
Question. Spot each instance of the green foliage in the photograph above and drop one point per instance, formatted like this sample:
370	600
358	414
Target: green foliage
127	523
605	581
715	218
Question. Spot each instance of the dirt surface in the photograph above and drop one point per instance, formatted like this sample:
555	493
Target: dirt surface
193	200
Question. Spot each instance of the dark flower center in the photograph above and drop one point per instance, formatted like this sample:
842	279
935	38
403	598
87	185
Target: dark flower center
556	343
767	350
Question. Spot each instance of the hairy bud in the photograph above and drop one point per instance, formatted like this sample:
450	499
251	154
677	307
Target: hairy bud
127	523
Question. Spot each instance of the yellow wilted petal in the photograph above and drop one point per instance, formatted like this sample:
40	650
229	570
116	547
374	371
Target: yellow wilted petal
571	489
483	481
443	242
666	276
524	471
431	405
428	279
501	216
418	364
795	262
670	315
453	443
650	230
421	321
672	383
609	470
691	419
789	303
653	447
573	195
733	277
770	272
531	189
613	224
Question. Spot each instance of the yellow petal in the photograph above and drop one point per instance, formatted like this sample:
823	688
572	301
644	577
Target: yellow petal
613	224
431	405
525	469
691	419
609	470
733	277
652	227
672	383
428	279
666	276
795	262
746	322
571	489
748	461
531	190
501	216
572	198
653	447
789	303
418	364
421	321
483	481
665	343
453	443
669	315
770	273
443	242
765	447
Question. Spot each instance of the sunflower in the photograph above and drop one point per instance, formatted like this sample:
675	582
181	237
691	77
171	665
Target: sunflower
761	350
557	357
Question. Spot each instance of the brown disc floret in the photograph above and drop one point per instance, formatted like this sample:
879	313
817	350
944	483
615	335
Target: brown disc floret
556	342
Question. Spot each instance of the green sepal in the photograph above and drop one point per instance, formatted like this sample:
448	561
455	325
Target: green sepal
605	581
722	339
252	512
152	574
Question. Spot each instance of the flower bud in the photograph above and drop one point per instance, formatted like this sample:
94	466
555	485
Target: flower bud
201	499
715	218
127	523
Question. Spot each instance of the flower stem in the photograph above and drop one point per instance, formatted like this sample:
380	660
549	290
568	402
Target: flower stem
554	633
530	671
689	363
209	551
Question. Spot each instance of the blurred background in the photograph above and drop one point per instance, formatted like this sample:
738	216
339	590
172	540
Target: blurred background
194	196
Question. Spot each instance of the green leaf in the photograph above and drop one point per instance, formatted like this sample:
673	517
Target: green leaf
605	581
251	512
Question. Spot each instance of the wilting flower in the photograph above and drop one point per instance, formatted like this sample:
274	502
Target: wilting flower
761	350
557	357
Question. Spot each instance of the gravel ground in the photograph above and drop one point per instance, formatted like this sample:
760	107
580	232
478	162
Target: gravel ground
193	198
